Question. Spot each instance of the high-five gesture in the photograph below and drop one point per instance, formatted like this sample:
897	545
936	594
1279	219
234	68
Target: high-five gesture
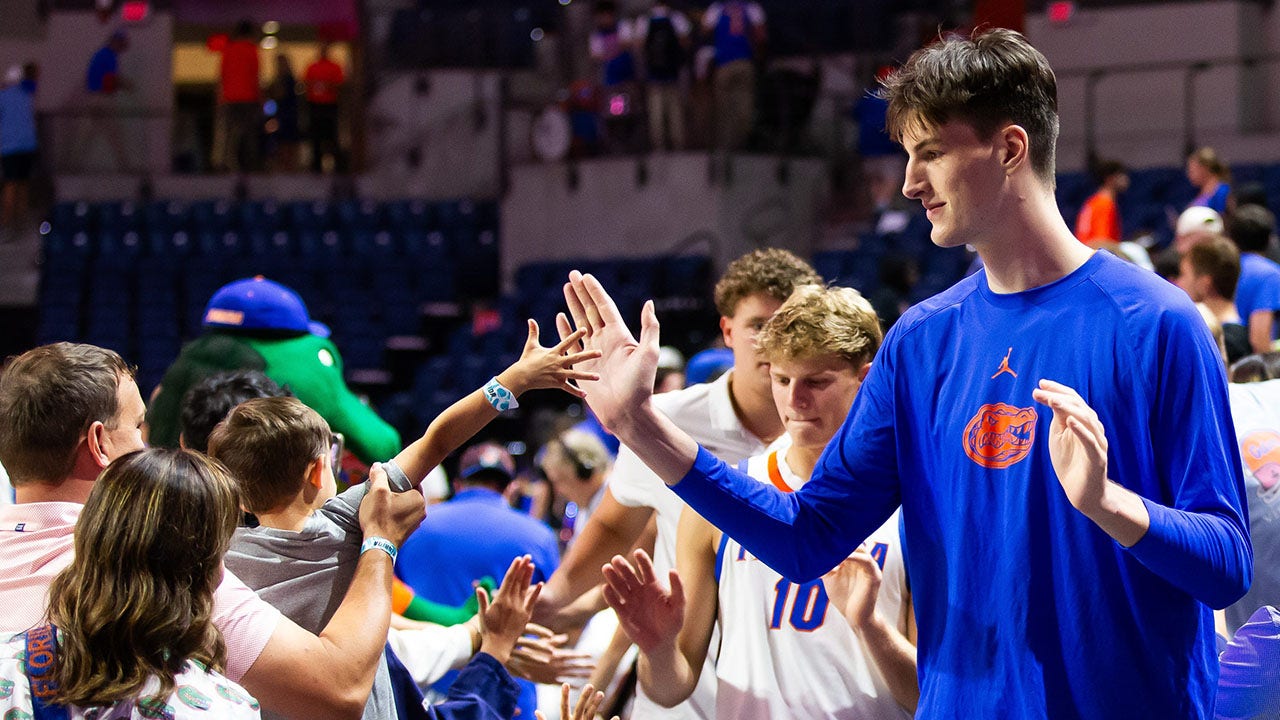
650	613
543	367
1078	449
626	367
503	619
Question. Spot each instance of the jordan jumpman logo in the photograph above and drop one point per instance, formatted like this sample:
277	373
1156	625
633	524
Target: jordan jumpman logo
1004	366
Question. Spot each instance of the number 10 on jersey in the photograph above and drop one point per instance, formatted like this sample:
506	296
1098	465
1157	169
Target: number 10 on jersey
808	605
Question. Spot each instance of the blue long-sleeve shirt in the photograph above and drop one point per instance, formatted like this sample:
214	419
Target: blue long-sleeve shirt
1026	609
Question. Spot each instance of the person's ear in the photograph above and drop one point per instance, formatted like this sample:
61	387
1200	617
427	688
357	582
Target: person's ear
96	442
1015	148
862	374
726	331
315	473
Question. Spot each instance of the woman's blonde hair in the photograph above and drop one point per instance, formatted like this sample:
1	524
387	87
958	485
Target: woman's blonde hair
137	601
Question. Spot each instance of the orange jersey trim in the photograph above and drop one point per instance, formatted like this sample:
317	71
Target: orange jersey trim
775	475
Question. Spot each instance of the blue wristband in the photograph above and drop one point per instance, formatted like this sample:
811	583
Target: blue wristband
499	397
377	543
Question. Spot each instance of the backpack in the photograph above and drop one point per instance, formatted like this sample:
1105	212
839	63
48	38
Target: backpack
663	53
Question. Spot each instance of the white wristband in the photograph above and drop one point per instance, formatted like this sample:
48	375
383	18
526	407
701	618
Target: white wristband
499	397
378	543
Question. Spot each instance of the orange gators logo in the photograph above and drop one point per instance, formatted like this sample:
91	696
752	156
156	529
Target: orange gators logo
1000	435
1261	452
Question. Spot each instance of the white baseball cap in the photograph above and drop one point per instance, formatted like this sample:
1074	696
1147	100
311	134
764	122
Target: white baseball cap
1198	218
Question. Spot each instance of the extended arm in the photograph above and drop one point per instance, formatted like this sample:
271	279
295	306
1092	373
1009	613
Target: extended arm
612	530
538	367
853	586
672	635
300	675
1203	552
1261	327
802	534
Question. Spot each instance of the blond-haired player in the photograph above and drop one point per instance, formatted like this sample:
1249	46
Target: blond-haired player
785	651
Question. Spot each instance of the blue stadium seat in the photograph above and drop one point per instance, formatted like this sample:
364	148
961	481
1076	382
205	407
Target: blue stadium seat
166	216
211	216
410	216
72	217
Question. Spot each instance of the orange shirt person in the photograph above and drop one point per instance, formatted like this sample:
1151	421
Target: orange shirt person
1099	219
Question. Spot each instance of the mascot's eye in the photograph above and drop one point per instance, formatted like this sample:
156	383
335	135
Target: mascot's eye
326	357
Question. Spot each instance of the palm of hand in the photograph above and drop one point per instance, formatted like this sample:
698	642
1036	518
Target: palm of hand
651	615
852	586
626	378
626	367
1075	465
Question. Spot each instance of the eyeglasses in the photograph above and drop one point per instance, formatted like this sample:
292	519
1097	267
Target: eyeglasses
337	443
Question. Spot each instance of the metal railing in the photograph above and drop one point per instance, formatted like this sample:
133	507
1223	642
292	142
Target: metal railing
1191	71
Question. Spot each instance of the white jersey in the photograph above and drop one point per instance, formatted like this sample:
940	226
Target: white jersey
1255	412
705	412
783	652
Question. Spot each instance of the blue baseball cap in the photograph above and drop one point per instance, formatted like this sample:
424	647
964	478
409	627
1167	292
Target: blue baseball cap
260	304
708	365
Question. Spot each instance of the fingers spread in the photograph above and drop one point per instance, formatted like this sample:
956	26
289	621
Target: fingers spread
570	340
532	340
644	567
576	311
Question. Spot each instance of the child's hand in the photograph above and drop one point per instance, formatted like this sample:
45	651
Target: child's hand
543	367
503	619
588	703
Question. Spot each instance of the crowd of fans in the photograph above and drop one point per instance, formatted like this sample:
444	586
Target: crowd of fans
663	70
229	575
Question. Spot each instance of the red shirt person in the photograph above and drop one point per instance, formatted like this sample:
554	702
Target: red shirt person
323	79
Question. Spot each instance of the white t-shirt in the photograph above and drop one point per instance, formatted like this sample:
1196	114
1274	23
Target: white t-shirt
784	652
705	412
1255	412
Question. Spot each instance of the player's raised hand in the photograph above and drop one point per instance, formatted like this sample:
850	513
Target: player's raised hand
1078	450
649	611
626	367
1077	445
852	587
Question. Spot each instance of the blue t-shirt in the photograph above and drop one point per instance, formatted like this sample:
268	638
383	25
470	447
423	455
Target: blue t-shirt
1026	609
17	121
732	31
1259	286
472	536
104	62
1215	200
